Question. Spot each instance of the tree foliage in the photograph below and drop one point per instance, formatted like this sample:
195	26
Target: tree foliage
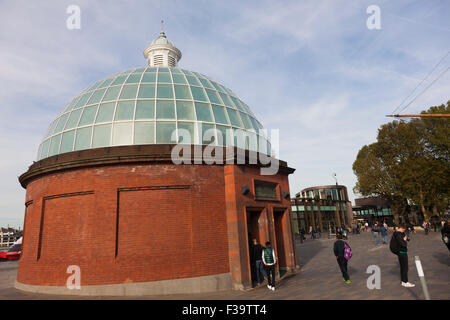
409	162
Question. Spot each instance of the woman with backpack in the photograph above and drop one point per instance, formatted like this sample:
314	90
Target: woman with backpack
343	253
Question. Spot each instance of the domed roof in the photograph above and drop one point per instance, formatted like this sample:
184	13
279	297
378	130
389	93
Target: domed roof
162	39
145	106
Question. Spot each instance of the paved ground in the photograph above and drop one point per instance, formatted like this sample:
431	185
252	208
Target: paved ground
320	277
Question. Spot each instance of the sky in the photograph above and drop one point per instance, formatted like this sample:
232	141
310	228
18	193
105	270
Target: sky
312	69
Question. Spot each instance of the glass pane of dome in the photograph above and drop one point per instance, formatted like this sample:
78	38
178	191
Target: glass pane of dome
102	135
164	131
145	109
165	109
144	133
185	110
83	138
124	110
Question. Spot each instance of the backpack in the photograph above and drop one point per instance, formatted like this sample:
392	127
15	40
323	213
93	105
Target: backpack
393	245
347	251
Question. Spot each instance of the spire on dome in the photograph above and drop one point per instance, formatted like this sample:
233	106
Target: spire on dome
161	52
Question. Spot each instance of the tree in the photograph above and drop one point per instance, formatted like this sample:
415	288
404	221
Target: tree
409	162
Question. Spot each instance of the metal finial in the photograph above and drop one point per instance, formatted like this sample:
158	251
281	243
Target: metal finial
162	34
335	178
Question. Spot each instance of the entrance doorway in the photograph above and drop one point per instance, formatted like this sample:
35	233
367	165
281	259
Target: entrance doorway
279	217
256	229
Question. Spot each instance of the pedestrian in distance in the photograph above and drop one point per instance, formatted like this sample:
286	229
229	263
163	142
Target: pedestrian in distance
383	232
344	233
339	231
257	250
311	232
319	235
343	253
367	226
425	227
399	247
269	259
445	232
302	234
375	234
407	232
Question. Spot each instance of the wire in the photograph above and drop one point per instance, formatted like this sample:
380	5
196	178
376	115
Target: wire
423	80
440	75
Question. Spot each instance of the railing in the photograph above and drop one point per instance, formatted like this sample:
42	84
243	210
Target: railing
7	239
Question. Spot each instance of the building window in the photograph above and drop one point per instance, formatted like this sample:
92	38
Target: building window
266	190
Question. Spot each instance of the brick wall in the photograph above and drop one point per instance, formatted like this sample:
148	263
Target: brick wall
175	227
146	222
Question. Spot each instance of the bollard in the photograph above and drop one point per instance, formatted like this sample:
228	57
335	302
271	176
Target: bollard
422	278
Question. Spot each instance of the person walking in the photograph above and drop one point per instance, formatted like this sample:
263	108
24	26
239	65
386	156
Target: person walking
375	234
379	225
318	233
407	232
259	266
367	226
339	231
269	259
425	227
399	246
302	234
311	233
445	232
339	252
383	231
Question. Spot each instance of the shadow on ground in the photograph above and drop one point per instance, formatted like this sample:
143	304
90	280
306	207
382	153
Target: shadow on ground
314	248
443	259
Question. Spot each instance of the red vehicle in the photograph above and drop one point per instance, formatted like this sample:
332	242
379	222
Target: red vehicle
13	252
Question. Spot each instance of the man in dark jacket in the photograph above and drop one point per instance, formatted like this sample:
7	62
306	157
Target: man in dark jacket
257	250
339	250
399	247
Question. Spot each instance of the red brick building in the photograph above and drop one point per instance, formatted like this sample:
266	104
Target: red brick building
106	196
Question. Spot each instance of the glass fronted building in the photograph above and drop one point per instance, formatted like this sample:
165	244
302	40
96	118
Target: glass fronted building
322	207
373	209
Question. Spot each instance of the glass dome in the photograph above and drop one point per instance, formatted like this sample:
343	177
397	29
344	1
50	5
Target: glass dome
145	106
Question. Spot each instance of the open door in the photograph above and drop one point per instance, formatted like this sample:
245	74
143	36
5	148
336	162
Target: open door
256	229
